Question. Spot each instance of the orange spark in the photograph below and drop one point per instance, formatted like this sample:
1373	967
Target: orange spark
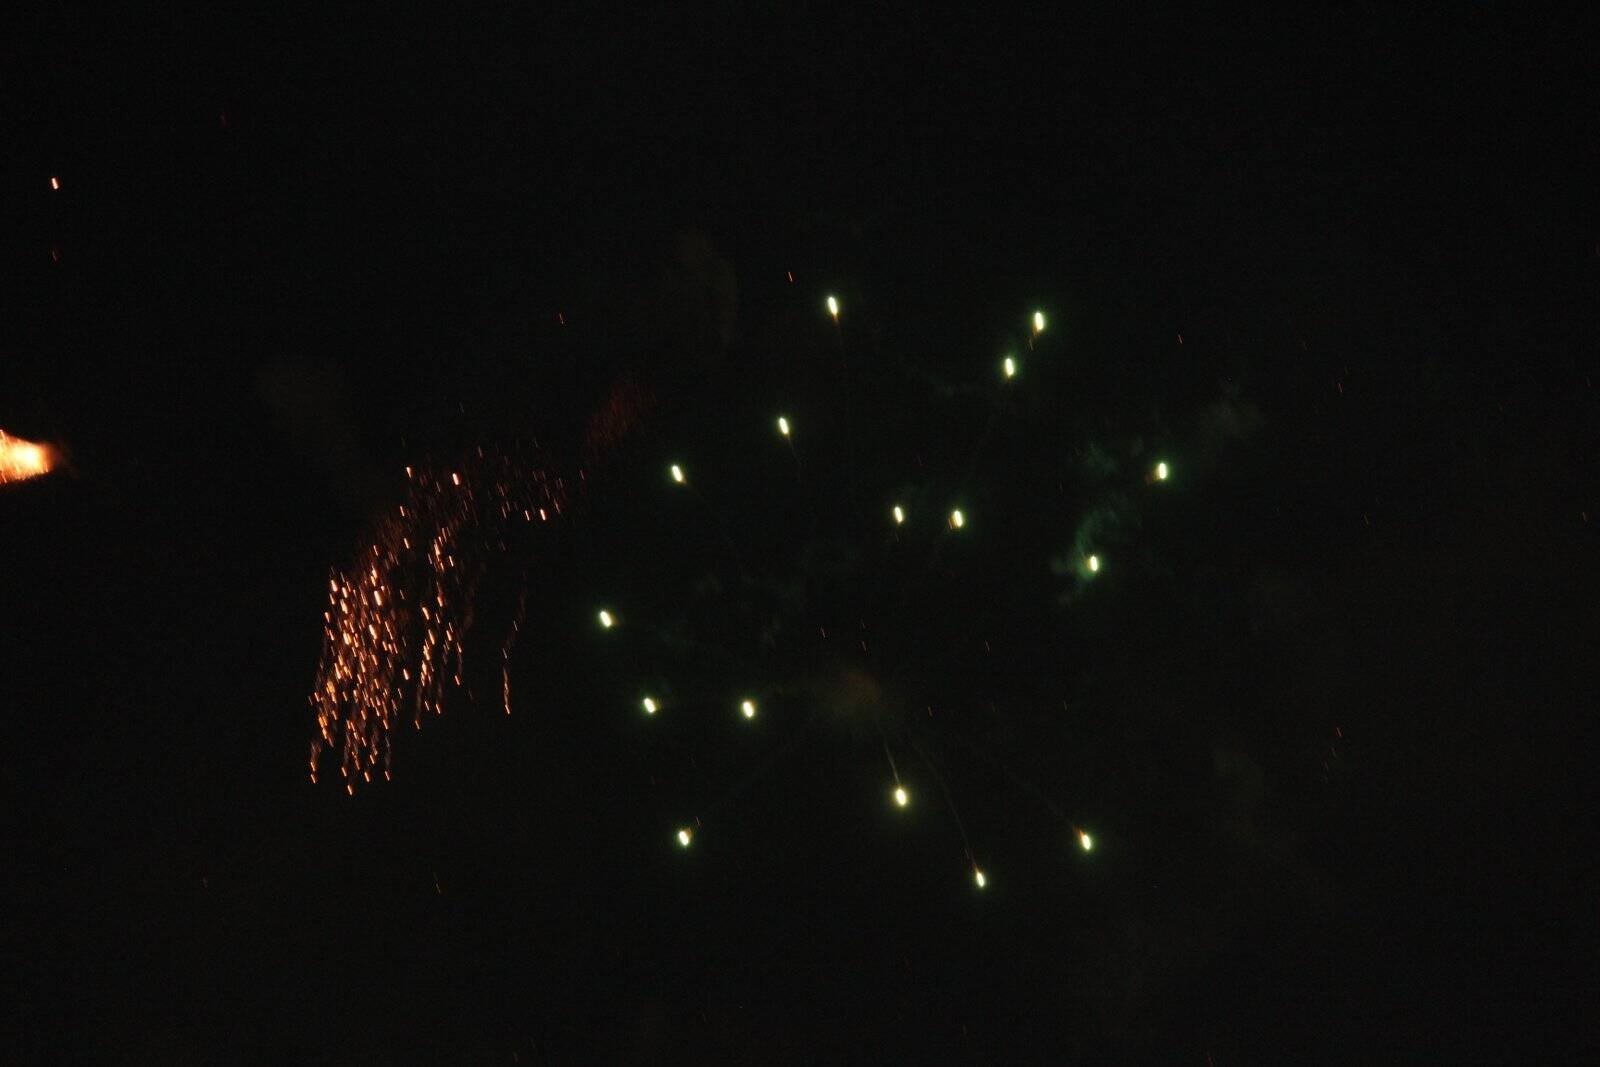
21	460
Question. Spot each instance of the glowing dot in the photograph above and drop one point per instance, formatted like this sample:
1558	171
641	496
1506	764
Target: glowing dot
55	182
957	520
901	797
977	876
1094	564
1085	840
833	306
1009	367
783	426
684	837
1038	322
748	709
677	473
649	704
899	514
606	619
1161	472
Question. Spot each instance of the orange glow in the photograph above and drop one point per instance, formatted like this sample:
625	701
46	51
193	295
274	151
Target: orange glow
21	460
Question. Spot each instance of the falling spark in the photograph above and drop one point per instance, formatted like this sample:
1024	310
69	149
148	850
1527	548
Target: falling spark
1038	322
977	876
21	460
901	797
1161	471
1009	367
1085	840
1094	564
899	515
55	182
783	426
649	704
607	620
398	614
685	836
957	520
833	307
748	708
677	473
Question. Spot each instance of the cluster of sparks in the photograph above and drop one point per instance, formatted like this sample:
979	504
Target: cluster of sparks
398	616
897	512
21	460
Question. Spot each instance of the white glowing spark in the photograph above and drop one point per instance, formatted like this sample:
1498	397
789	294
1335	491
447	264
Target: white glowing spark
833	306
684	837
1085	840
957	520
748	708
1038	322
977	876
899	514
1094	564
783	426
677	473
1161	471
901	797
607	620
649	705
1009	367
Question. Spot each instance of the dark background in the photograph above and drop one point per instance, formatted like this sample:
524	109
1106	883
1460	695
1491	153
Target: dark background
296	253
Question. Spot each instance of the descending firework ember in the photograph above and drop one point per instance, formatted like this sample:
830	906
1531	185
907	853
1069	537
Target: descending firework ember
21	460
397	619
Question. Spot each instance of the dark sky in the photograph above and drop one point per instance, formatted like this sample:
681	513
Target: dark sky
1340	266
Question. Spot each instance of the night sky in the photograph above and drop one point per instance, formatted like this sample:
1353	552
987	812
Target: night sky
1321	704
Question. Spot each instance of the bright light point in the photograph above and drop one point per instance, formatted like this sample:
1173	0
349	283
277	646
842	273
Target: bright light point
684	836
977	876
677	473
649	705
1161	472
957	520
901	797
748	709
1085	840
899	514
1038	322
55	183
1094	564
783	426
606	619
1009	367
833	306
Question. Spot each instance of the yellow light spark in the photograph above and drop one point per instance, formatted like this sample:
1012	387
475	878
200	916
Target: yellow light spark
977	876
1161	471
607	620
748	708
677	473
1038	322
1009	367
783	426
899	514
649	705
833	306
957	520
1094	564
1085	840
901	797
684	837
